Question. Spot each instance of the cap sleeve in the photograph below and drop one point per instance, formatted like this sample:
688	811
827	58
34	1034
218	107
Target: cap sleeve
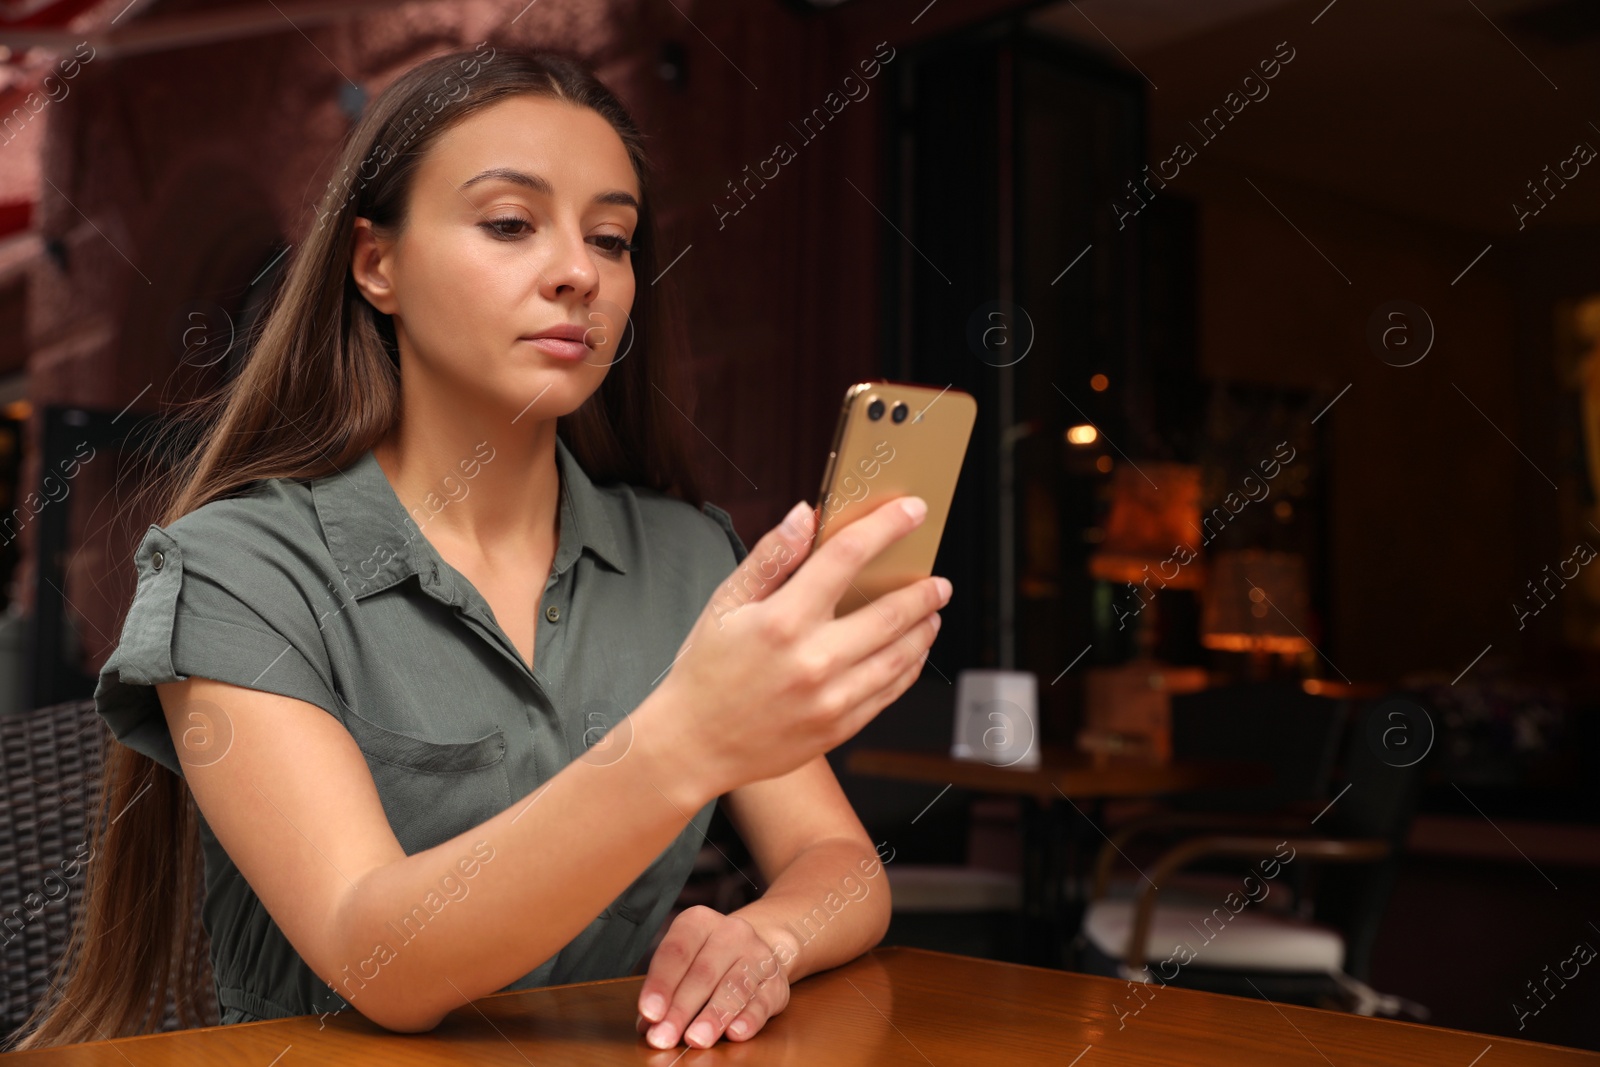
724	520
185	621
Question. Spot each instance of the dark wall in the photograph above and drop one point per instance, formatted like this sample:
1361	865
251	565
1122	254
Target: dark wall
194	162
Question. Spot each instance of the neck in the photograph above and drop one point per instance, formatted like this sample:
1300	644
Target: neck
493	491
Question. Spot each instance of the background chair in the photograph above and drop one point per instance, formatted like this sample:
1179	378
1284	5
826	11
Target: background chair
1318	951
935	843
50	763
1278	725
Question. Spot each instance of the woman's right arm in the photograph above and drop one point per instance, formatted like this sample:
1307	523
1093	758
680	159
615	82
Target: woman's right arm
755	692
295	807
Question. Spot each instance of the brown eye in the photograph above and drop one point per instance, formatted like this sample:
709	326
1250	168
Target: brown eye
616	244
494	227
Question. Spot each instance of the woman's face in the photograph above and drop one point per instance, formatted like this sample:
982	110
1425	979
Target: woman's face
517	221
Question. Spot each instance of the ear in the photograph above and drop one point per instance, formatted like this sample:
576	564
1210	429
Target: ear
370	265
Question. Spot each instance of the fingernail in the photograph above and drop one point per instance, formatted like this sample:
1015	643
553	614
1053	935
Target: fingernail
914	506
654	1006
700	1034
944	587
661	1035
796	522
937	622
738	1028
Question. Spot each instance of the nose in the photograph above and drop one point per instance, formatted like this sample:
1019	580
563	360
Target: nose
566	266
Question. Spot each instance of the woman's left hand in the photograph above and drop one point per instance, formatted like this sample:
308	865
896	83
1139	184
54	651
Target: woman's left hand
712	973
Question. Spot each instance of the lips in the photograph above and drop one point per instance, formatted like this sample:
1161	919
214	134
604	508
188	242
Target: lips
562	342
558	347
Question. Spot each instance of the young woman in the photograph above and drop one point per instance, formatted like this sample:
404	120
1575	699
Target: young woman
439	642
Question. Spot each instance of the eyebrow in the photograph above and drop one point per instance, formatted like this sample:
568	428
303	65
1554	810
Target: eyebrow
542	186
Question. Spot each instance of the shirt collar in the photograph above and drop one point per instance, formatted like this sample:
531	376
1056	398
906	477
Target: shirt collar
376	543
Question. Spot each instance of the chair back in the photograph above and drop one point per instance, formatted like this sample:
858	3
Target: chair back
1277	724
51	760
1375	792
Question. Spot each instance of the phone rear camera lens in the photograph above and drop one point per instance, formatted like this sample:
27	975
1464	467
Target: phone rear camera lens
900	412
875	410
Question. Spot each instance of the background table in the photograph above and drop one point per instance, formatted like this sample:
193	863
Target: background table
891	1006
1062	774
1062	794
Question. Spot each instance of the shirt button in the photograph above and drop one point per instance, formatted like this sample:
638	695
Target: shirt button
157	559
552	613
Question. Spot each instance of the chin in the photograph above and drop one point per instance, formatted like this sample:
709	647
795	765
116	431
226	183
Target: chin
554	391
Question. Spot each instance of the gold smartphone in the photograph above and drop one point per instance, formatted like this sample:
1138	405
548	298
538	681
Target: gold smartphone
894	439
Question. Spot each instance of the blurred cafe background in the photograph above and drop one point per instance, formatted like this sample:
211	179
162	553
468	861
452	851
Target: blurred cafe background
1273	635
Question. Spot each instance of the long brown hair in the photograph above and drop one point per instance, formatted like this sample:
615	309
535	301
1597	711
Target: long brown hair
320	386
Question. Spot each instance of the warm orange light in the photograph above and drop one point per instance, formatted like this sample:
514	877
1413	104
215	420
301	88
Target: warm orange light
1238	612
1099	383
1103	464
1248	643
1082	435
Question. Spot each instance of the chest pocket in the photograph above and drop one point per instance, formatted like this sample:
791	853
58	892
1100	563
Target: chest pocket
433	790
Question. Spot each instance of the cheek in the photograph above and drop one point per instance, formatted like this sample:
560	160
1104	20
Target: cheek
609	316
461	295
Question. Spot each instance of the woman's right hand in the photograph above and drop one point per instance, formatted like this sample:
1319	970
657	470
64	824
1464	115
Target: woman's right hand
768	679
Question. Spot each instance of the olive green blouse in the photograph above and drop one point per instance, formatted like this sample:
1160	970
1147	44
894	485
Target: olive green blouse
328	590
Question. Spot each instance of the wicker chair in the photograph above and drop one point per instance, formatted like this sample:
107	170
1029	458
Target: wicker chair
50	764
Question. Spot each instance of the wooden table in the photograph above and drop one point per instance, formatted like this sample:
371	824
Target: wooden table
1059	789
891	1006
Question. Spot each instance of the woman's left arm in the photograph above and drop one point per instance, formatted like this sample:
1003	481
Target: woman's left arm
827	902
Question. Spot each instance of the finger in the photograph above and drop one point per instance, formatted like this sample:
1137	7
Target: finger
881	678
719	953
740	991
834	563
896	688
748	1022
672	958
863	713
768	564
864	631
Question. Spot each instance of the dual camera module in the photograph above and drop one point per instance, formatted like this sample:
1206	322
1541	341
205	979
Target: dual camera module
875	410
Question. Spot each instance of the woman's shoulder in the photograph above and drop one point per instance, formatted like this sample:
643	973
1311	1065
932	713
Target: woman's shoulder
226	591
628	521
272	523
667	525
269	502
